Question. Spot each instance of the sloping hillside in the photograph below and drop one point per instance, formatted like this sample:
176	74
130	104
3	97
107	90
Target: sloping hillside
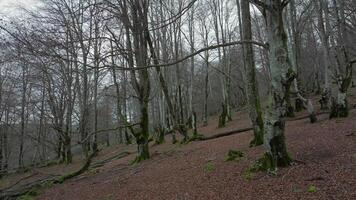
325	168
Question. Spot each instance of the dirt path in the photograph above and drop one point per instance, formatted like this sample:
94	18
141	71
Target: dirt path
198	170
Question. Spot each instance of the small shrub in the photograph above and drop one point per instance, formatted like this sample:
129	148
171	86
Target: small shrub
209	167
26	197
233	155
296	189
312	189
248	175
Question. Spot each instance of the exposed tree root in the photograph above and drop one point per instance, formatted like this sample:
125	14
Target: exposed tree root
78	172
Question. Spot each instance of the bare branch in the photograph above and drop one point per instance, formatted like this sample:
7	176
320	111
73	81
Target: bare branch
194	54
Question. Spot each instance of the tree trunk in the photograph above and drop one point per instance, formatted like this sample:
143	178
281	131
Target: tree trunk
339	107
282	76
177	124
322	6
254	104
295	52
23	116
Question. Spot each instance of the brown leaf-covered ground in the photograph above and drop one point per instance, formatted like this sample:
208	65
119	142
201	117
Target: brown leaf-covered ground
326	160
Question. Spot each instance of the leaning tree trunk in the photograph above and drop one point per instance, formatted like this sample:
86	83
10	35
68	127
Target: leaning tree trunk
164	87
250	70
282	76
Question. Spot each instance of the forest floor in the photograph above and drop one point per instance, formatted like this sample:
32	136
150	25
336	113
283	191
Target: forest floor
325	169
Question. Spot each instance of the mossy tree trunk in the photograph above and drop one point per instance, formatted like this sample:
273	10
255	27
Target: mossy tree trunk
253	100
295	52
136	26
67	150
282	76
324	30
143	135
223	116
194	124
339	107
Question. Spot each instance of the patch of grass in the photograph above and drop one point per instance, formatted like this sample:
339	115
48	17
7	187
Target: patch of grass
296	189
233	155
209	167
110	197
263	164
312	189
248	175
27	197
47	184
34	191
94	171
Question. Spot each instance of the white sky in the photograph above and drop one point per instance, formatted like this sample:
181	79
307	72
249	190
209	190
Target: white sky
8	7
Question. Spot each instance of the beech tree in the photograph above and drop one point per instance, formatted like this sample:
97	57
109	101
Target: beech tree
282	76
164	68
254	104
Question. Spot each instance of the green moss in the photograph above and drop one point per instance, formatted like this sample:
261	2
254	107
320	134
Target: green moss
27	197
222	117
209	167
34	191
233	155
268	164
248	175
312	189
61	179
296	190
196	137
138	159
47	184
257	140
265	164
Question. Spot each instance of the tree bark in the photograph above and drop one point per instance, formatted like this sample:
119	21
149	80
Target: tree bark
282	76
254	104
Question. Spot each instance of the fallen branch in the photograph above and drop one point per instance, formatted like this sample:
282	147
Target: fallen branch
236	131
106	130
13	193
18	181
80	171
306	116
224	134
119	156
